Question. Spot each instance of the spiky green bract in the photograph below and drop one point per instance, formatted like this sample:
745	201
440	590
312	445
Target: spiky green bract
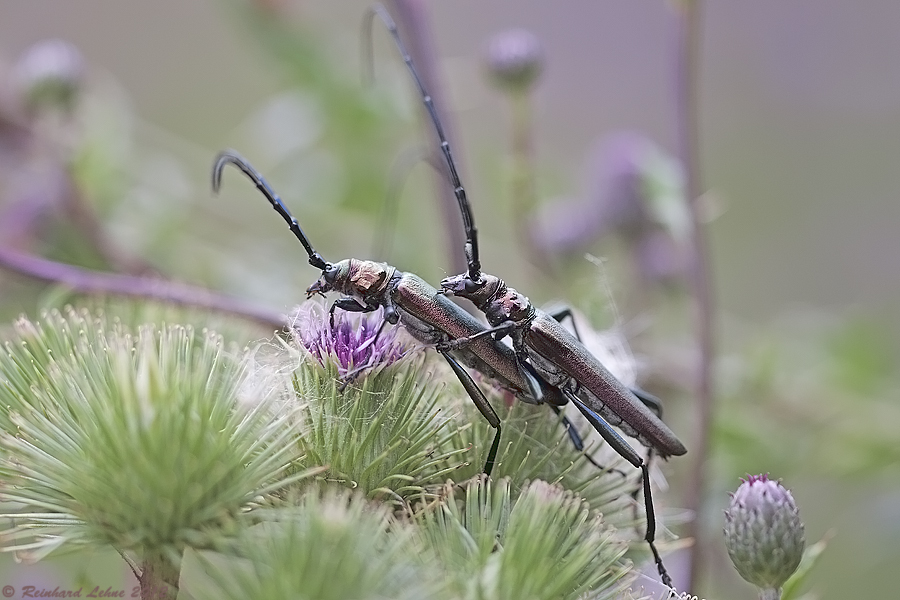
331	546
134	439
386	433
544	544
764	534
133	313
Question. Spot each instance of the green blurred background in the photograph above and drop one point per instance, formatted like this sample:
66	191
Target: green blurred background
800	139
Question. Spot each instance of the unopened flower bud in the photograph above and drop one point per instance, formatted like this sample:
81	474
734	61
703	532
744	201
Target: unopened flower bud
764	533
515	58
49	75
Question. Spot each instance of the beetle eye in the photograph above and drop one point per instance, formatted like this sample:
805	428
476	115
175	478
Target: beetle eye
473	286
330	273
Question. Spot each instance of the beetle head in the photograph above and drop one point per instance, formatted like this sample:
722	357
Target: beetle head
479	290
331	278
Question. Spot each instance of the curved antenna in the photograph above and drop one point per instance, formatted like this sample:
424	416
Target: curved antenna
400	172
231	157
471	249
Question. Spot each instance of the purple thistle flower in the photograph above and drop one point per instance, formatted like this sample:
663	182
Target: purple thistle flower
353	342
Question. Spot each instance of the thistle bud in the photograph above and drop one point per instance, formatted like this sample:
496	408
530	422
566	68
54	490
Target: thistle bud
515	58
50	75
764	533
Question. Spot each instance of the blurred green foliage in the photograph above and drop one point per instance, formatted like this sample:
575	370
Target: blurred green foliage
817	395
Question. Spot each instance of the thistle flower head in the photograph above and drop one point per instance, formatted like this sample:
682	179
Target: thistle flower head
515	58
354	340
332	546
129	438
384	433
496	541
763	532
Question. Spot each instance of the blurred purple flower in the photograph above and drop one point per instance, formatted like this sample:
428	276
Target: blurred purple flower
658	257
50	74
612	198
515	59
631	189
353	342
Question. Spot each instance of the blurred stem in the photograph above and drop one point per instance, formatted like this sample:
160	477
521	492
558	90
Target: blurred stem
159	578
769	594
412	22
85	281
524	195
687	40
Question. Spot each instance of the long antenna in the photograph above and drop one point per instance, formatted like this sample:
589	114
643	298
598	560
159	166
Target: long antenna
471	249
231	157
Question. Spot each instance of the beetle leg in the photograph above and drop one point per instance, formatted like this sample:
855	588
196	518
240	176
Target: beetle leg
500	331
481	403
519	345
578	442
349	304
628	453
648	400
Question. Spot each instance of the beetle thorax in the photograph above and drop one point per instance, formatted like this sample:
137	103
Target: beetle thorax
507	304
365	277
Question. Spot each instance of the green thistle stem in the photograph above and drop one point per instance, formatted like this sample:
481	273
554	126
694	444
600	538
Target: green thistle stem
159	577
524	196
